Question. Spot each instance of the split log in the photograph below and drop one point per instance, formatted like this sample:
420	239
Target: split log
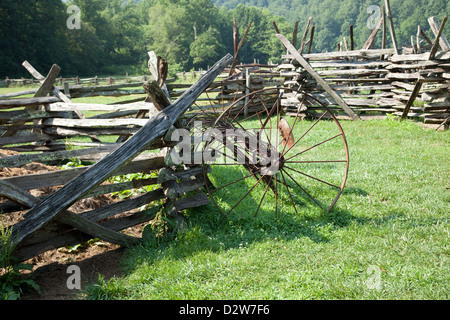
435	26
412	98
363	54
89	123
439	40
149	163
70	218
98	107
15	103
156	127
317	77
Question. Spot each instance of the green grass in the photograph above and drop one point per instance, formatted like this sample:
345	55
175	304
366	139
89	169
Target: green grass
393	216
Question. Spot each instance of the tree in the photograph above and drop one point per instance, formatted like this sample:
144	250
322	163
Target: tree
206	48
34	31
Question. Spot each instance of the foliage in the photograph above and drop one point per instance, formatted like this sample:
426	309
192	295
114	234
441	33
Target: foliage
206	48
392	217
115	35
333	18
12	283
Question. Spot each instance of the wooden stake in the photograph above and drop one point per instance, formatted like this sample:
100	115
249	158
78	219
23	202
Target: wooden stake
236	54
302	45
372	36
438	39
391	26
383	42
156	127
434	24
352	41
316	76
311	38
412	98
46	87
294	34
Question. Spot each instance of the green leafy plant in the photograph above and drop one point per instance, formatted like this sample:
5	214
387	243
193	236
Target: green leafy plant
161	229
73	163
12	282
130	177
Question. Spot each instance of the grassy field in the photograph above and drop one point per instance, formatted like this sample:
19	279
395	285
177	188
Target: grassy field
387	238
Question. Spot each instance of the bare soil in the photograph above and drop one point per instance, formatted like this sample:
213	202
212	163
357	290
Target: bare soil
50	268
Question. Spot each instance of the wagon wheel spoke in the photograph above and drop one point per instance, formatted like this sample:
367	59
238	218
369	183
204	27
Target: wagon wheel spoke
245	195
314	178
233	182
289	192
314	146
291	158
303	189
262	199
284	152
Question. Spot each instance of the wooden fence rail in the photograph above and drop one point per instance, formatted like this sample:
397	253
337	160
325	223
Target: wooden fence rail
10	82
46	128
39	130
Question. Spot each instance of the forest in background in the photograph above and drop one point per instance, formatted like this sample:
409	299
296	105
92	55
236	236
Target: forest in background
115	35
333	18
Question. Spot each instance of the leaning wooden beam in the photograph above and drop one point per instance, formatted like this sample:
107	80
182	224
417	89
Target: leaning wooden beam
236	54
373	34
156	95
305	34
17	194
77	221
412	98
58	240
434	24
317	77
156	127
39	77
96	230
55	91
438	39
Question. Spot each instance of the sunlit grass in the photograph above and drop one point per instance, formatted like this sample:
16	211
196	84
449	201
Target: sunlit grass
393	217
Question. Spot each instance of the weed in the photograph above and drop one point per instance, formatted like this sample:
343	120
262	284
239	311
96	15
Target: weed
12	282
392	218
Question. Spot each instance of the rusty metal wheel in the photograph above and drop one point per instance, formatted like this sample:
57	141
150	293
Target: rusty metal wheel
258	158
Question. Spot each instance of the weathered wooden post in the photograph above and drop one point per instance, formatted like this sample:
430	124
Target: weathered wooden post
248	83
391	26
56	204
297	56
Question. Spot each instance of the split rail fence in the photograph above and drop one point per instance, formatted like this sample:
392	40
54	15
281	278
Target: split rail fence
372	83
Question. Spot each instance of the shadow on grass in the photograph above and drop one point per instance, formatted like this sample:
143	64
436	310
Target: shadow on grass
209	230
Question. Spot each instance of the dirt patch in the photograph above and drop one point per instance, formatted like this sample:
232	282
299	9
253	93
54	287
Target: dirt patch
50	268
